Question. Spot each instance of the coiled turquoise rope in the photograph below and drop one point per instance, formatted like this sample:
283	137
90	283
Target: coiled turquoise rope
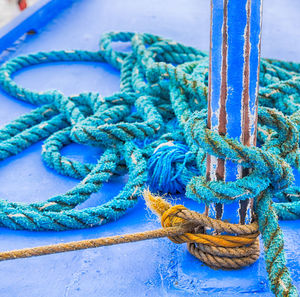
161	104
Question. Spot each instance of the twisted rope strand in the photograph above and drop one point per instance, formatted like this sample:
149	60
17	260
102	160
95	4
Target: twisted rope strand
179	225
90	243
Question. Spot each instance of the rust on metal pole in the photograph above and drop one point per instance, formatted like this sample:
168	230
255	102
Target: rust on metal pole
233	87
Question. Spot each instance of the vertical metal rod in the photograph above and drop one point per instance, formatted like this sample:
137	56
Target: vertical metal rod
233	87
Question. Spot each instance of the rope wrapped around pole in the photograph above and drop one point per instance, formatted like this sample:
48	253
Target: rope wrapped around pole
180	225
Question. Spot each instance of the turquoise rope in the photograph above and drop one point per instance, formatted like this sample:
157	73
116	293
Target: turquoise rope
155	130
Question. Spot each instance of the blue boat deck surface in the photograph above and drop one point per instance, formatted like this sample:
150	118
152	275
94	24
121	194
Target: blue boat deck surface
150	268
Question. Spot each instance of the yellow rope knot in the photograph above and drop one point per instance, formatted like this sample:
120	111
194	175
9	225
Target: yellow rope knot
218	251
180	225
170	219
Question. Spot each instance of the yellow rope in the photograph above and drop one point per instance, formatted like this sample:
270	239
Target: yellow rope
217	251
179	225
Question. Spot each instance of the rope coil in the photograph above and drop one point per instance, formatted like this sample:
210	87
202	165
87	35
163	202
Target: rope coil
217	251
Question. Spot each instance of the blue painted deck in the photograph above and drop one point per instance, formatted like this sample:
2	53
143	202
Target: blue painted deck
152	268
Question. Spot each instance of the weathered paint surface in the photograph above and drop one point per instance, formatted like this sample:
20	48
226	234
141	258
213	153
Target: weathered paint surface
232	104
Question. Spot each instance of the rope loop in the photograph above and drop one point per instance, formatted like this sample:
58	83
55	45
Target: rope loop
237	248
170	219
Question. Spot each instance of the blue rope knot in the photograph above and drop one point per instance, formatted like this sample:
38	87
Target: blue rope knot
167	168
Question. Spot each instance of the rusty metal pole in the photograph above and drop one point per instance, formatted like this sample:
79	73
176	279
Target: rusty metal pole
233	89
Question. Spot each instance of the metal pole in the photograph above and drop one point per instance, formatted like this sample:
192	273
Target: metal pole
233	88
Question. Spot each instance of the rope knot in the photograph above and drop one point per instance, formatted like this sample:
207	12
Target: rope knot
170	218
170	167
239	246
